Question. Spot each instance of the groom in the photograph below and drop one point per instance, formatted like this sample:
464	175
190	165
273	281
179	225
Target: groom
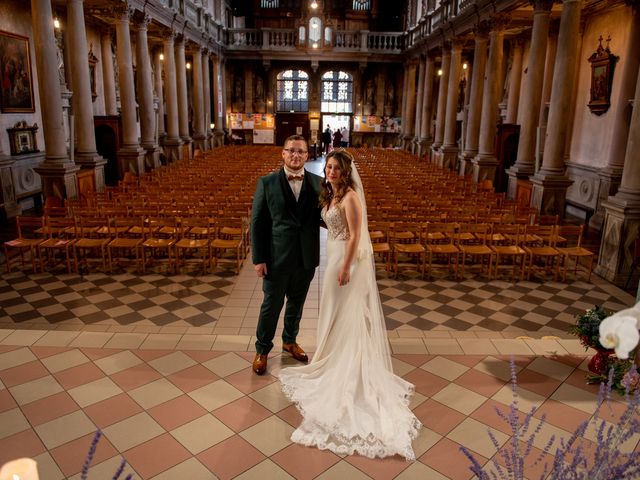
285	243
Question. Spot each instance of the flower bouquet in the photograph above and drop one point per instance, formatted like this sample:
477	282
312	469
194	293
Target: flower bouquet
587	329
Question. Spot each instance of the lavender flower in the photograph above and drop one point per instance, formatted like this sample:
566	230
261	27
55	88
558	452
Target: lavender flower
90	454
116	476
571	461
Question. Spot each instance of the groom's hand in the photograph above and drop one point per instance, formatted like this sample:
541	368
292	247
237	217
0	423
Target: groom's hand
261	269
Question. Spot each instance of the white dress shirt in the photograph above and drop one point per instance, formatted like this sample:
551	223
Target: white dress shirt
296	185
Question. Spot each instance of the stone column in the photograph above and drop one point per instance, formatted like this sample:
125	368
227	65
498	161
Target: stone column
472	133
611	174
199	136
219	104
145	97
131	156
550	183
427	107
206	90
514	81
531	97
410	92
449	149
445	66
622	211
418	105
485	163
183	100
159	92
403	112
172	142
108	75
7	189
58	172
86	154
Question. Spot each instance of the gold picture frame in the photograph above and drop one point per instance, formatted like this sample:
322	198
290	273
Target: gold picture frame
16	82
602	65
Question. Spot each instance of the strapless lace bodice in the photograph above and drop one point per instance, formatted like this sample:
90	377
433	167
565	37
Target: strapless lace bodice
336	221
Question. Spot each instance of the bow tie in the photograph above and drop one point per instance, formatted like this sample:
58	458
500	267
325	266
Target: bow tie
295	178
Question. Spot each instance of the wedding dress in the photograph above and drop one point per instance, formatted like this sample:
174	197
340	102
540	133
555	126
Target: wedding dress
349	397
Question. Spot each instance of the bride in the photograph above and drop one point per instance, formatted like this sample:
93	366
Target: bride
349	397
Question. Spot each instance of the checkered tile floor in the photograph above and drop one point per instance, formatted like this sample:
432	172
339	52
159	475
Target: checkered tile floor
161	364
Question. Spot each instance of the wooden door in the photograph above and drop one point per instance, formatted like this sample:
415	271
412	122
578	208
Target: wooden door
288	124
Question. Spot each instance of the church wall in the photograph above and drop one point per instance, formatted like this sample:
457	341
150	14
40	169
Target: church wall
590	144
15	17
93	44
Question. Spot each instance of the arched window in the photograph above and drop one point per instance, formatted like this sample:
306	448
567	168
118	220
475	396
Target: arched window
315	32
337	92
292	90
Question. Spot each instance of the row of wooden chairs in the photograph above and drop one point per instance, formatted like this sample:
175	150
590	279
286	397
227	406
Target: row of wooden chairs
78	241
524	250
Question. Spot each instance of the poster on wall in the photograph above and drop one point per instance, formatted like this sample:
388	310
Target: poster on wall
372	123
16	85
263	136
250	121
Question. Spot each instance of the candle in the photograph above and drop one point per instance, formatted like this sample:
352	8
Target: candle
20	469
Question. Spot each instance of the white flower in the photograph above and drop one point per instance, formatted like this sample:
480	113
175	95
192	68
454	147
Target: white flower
620	332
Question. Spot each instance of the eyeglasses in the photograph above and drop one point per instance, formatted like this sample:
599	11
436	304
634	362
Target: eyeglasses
294	151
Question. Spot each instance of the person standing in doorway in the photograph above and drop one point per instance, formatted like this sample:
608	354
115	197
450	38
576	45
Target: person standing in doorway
285	243
344	141
326	139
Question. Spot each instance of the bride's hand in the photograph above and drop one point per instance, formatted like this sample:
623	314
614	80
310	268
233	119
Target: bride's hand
343	277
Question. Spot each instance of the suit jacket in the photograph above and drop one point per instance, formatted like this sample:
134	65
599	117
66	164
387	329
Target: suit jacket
285	233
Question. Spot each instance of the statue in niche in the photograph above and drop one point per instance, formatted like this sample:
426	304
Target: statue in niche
237	89
258	99
369	92
259	88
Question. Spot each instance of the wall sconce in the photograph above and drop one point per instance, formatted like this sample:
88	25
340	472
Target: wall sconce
269	102
465	65
439	72
212	126
161	56
188	65
315	45
56	23
314	4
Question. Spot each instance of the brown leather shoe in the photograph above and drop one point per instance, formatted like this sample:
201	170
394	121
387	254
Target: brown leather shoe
260	364
295	351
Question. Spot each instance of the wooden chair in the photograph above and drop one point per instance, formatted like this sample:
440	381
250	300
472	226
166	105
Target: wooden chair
379	234
441	242
228	246
194	244
127	236
59	241
407	247
162	236
542	249
89	245
27	240
508	247
574	250
476	248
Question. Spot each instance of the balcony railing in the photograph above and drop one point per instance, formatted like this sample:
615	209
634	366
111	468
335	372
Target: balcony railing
287	39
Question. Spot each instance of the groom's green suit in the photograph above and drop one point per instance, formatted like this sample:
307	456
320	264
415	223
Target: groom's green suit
285	234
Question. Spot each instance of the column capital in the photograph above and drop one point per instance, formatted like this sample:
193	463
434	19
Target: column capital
635	4
457	43
499	22
143	21
169	36
123	10
542	6
482	29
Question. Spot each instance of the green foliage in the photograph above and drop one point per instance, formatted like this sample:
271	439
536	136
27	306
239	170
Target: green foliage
587	324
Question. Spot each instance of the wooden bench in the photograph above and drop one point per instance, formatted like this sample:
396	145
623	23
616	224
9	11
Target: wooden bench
586	209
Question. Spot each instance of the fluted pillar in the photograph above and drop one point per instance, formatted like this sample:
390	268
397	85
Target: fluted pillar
183	100
108	75
531	97
86	155
622	211
172	142
145	97
199	136
131	155
206	93
472	133
485	162
219	103
445	66
610	175
550	183
449	147
427	106
410	92
418	105
58	172
159	93
514	81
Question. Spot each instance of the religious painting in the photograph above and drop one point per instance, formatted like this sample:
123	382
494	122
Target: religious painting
16	84
602	64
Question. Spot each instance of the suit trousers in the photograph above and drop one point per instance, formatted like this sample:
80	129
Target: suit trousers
293	285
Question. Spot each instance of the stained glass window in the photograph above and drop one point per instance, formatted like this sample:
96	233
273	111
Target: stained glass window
337	92
292	90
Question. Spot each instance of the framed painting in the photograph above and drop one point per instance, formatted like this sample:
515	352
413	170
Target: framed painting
602	65
16	84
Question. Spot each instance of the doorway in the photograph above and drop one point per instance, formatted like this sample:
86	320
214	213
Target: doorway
334	122
288	124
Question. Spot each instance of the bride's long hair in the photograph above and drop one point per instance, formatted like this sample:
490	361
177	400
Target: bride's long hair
345	160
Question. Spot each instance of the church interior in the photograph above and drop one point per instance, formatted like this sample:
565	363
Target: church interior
498	145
